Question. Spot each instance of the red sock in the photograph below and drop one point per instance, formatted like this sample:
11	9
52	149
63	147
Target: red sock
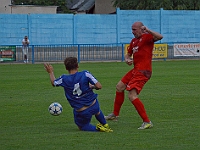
140	109
119	99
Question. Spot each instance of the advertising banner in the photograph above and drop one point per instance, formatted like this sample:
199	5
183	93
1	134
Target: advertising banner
159	51
7	53
187	49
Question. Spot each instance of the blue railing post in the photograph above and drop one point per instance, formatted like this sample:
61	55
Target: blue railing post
122	52
33	61
78	53
161	20
118	25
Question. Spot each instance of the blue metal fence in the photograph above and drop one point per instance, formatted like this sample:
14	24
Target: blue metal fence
84	52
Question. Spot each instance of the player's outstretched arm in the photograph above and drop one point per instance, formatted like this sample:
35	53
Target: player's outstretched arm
156	36
49	69
97	86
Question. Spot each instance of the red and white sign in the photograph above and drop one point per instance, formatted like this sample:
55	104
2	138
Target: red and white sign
187	49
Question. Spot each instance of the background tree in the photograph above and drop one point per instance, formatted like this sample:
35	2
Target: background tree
123	4
157	4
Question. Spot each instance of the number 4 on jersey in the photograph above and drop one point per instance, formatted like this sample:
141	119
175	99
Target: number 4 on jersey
77	89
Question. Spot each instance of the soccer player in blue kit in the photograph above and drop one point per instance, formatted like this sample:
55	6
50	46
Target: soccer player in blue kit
78	87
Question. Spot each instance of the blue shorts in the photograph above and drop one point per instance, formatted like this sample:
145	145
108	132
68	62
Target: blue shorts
84	117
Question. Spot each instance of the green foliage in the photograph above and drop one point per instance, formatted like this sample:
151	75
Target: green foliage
123	4
171	99
157	4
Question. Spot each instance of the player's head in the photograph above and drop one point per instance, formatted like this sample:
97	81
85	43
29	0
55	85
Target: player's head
136	29
71	63
26	37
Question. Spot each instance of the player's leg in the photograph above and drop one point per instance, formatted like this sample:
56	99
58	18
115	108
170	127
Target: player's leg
119	100
27	55
103	125
23	53
135	86
119	97
100	117
138	105
82	120
95	110
89	127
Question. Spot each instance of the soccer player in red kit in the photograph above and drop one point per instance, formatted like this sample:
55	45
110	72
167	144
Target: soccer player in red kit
141	48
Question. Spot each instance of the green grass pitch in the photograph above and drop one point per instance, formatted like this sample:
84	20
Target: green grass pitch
171	99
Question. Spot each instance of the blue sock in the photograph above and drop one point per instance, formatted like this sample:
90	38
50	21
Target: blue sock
101	118
89	127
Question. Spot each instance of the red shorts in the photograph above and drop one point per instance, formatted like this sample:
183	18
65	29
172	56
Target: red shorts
135	79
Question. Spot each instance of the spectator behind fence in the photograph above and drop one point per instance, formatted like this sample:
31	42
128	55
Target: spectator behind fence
25	44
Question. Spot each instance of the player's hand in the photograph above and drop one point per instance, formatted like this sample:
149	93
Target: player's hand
145	29
129	61
91	86
48	67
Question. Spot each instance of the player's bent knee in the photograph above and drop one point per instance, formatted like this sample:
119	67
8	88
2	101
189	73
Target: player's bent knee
132	98
132	95
120	87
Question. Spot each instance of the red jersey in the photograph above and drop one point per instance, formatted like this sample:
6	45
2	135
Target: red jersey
142	49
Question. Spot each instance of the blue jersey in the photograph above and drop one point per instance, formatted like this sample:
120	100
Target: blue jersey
77	90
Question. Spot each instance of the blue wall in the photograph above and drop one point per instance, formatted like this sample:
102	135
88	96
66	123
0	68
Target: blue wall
177	26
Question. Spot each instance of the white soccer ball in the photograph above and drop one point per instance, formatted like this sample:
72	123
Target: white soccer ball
55	109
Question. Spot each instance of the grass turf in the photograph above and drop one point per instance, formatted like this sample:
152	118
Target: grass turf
171	99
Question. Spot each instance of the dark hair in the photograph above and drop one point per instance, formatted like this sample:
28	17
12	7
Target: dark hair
71	63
